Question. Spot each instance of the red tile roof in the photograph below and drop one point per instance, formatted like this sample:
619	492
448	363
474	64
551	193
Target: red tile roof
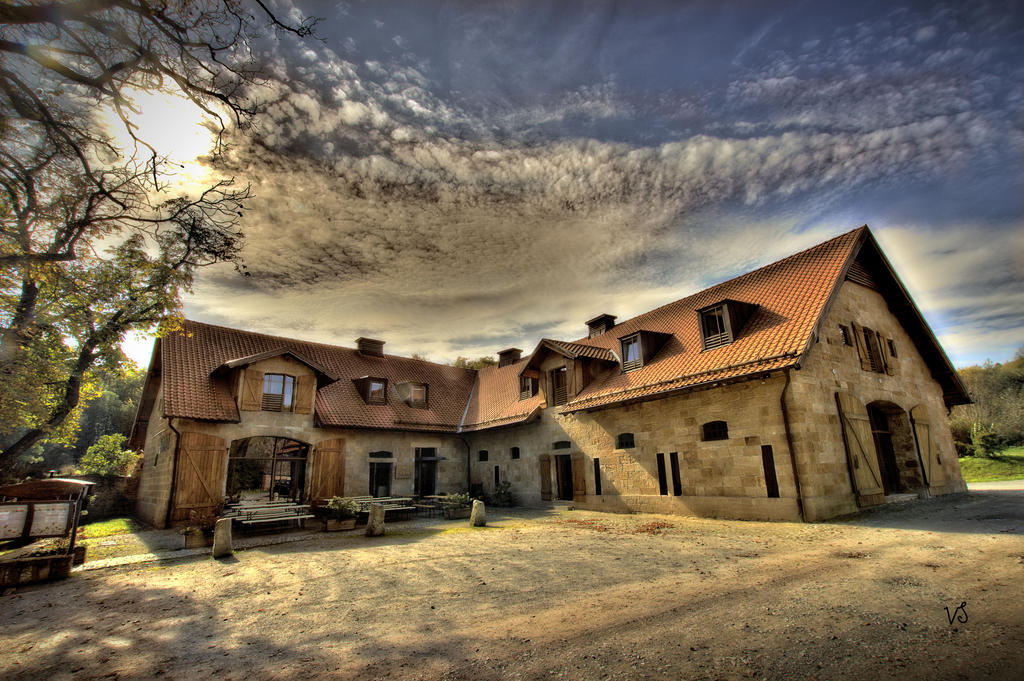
190	355
790	298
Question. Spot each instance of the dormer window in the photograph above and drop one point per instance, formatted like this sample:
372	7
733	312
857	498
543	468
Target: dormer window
277	392
720	324
527	387
418	395
373	390
714	327
631	358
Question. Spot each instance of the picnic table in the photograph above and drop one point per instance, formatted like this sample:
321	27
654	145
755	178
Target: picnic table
248	514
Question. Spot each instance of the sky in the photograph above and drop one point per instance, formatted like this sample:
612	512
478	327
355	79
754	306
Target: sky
456	178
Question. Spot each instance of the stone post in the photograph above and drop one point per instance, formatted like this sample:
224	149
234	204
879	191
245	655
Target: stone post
375	523
478	516
222	538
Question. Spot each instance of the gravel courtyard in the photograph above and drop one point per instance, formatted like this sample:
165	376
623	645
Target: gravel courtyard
559	595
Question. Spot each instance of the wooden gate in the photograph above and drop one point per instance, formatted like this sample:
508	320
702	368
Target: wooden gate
202	461
545	476
860	450
927	452
328	470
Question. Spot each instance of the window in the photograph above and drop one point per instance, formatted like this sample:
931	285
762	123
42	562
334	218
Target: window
662	479
771	481
624	441
597	477
559	394
677	482
377	391
631	358
844	335
892	348
380	455
497	476
527	387
561	444
874	352
482	455
418	394
714	327
277	392
513	453
715	430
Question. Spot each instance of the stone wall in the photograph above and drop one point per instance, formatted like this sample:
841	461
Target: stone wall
156	469
833	366
722	478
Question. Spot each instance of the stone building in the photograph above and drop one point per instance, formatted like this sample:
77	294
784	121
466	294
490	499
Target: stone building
806	389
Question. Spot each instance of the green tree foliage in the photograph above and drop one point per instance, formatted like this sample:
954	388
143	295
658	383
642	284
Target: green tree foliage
996	418
91	244
109	457
478	363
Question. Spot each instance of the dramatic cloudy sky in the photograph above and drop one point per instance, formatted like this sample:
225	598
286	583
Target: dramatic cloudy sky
458	177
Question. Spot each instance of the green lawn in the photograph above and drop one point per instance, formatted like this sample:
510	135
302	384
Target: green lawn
1009	465
107	528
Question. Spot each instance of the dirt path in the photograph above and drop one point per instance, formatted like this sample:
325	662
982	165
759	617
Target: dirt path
567	595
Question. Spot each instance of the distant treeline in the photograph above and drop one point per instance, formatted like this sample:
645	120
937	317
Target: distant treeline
996	419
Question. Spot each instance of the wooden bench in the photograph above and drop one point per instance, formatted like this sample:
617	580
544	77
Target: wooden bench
270	512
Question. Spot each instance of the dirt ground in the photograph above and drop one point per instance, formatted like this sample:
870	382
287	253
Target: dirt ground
559	595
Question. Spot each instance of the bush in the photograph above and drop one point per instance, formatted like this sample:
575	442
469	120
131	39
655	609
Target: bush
502	495
964	449
988	444
454	501
107	457
341	508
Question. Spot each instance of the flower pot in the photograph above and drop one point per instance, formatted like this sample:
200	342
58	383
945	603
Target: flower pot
457	513
335	525
197	540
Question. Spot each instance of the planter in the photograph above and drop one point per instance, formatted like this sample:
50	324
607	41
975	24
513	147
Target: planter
35	569
457	513
197	540
334	525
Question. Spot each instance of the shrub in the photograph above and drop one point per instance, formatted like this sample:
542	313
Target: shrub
988	444
107	457
502	495
454	501
341	508
964	449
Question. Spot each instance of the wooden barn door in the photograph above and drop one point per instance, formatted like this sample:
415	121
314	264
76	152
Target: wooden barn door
200	479
328	470
545	477
926	450
860	450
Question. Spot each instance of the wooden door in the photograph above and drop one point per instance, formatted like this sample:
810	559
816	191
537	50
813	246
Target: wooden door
545	476
927	452
860	450
328	470
199	481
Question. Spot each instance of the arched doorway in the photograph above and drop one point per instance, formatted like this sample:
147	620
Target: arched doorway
895	447
266	468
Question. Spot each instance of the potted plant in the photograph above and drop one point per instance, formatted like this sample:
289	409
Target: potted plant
340	514
199	531
457	506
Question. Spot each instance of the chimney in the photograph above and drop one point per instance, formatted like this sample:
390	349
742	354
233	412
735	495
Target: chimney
371	347
600	324
510	356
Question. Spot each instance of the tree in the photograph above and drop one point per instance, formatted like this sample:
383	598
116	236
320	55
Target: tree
478	363
996	416
91	245
108	457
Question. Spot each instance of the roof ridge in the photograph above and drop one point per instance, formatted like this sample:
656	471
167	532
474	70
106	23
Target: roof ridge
820	245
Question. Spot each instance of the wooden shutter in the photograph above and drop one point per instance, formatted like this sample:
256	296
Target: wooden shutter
545	476
202	461
579	480
305	394
252	390
328	470
926	449
890	362
862	348
860	450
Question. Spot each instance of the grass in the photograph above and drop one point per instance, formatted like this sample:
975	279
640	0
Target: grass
107	528
1007	465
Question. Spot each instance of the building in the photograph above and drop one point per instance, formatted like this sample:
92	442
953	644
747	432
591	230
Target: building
806	389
